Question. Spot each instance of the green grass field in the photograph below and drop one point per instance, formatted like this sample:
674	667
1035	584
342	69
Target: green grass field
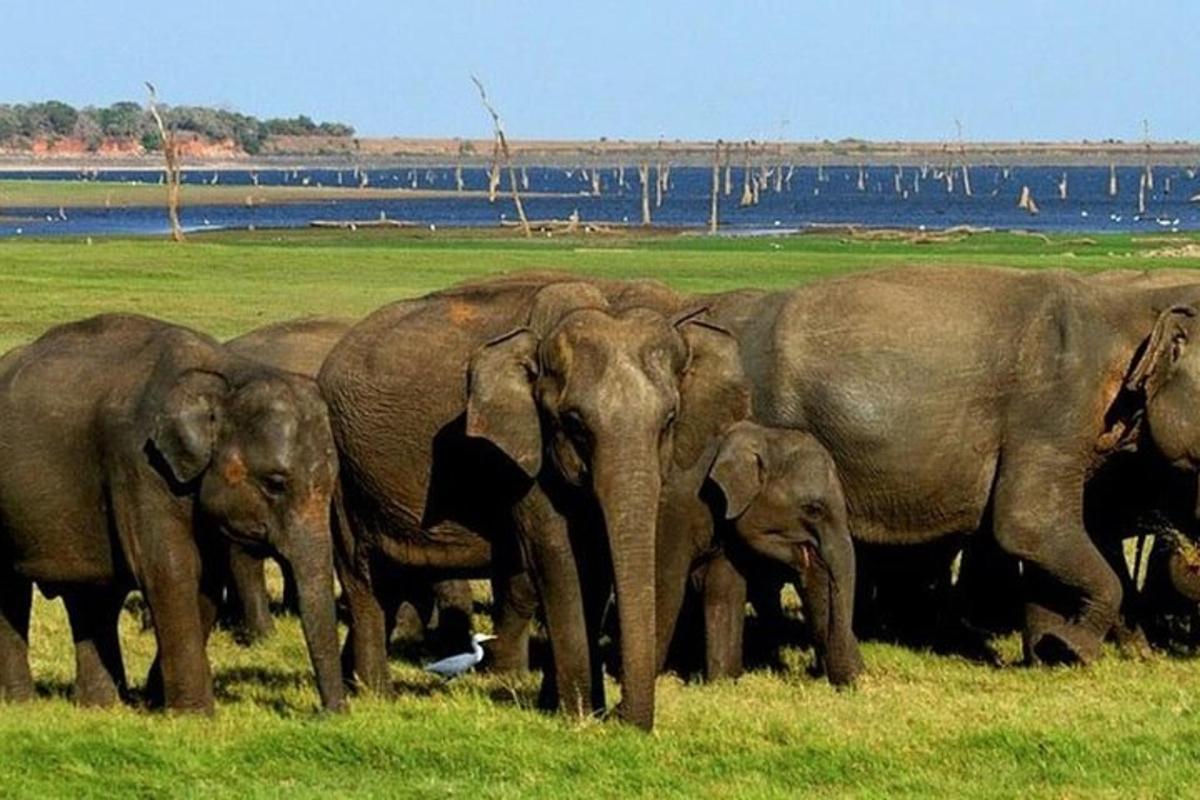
96	194
917	724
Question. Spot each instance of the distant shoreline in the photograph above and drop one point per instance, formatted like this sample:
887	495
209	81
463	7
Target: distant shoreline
347	153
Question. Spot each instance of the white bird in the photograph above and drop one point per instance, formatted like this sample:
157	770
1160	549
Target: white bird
454	666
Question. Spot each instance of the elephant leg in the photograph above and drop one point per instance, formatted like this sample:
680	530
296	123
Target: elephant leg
551	558
724	619
211	593
99	669
181	668
16	597
364	655
1075	595
515	604
249	585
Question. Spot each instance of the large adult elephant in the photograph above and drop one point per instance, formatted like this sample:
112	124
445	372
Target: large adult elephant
131	450
509	427
950	397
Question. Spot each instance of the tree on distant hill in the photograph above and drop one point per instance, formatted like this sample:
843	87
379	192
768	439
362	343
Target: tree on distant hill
130	121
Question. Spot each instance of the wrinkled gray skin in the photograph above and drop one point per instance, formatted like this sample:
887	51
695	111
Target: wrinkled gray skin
509	427
301	346
943	393
777	503
298	346
131	451
1133	495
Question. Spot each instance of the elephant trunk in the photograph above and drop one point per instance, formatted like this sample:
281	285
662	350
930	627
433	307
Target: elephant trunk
312	564
627	486
829	602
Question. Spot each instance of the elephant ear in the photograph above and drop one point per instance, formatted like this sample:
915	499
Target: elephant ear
739	469
713	390
1163	350
185	422
500	402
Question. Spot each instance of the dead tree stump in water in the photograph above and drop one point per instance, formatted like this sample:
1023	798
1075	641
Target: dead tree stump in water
171	155
644	175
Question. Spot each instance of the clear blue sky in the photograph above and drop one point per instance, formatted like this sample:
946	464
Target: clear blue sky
1011	69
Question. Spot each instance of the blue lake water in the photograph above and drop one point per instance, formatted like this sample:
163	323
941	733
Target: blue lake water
828	195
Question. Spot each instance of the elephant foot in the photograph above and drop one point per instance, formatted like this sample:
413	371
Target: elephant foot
97	694
18	691
1132	643
248	635
1063	646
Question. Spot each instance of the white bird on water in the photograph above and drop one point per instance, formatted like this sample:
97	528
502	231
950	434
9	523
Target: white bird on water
454	666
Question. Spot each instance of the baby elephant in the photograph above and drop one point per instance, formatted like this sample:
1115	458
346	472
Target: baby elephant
131	452
760	500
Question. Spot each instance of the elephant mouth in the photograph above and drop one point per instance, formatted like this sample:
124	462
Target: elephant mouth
254	543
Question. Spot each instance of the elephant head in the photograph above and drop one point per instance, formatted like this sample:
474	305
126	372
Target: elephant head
1167	374
257	447
591	394
784	501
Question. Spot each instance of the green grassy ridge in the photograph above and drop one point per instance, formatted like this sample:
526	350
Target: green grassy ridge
229	283
918	724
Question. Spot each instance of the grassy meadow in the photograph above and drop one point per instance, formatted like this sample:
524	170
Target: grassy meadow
918	724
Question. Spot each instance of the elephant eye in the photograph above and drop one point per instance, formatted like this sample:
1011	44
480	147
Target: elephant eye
812	508
573	422
275	484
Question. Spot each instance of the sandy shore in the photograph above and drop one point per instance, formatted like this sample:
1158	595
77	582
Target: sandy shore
397	152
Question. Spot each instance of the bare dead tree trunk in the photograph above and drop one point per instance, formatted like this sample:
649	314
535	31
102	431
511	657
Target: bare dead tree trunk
1062	187
1112	180
787	179
493	181
1026	202
458	177
899	175
716	188
862	179
502	148
171	156
595	181
1142	194
728	173
747	195
644	174
621	176
966	177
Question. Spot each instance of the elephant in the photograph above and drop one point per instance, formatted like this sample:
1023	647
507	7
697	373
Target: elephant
951	398
301	346
521	430
298	346
759	504
131	452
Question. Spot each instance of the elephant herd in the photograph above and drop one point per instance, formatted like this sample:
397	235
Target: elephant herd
622	460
